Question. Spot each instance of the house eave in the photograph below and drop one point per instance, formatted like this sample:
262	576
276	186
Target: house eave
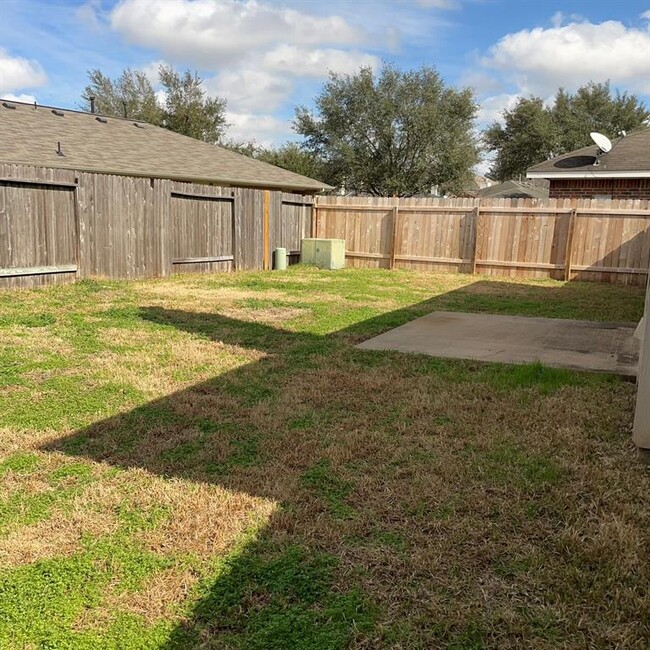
588	174
212	180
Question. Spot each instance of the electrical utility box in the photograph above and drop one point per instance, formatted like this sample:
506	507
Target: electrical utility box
323	253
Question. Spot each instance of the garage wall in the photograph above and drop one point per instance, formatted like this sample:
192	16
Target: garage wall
62	225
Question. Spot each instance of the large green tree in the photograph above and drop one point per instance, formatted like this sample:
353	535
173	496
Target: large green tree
129	95
395	133
295	158
184	106
533	132
290	155
526	137
188	110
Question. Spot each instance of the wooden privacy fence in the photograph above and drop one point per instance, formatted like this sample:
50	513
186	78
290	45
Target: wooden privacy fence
60	225
564	239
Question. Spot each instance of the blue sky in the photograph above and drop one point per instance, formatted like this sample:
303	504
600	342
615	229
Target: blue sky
265	57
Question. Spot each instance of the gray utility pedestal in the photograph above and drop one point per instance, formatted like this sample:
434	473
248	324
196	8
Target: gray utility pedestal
323	253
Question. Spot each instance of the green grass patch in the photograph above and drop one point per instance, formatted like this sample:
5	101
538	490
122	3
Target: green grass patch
22	507
329	487
244	452
508	464
24	463
290	602
66	400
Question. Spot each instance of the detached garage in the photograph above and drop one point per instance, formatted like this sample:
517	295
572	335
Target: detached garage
82	195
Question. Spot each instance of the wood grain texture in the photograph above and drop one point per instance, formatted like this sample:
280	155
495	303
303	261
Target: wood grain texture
124	227
601	240
38	226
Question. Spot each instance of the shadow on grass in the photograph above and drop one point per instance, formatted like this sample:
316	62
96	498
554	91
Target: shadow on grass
369	458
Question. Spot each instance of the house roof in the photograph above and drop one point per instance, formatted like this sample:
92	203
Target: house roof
30	136
628	158
515	190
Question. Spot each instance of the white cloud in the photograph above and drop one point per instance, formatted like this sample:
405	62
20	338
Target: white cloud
480	81
540	60
215	32
250	90
491	108
28	99
255	50
265	130
483	167
18	73
161	98
305	62
646	15
151	71
89	14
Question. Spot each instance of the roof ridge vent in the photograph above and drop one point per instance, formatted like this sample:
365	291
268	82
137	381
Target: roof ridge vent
57	112
10	106
103	120
140	126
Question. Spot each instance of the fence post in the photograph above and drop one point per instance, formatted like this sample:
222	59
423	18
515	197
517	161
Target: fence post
477	231
314	225
265	232
569	245
393	247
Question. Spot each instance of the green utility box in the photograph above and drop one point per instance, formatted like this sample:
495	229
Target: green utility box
323	253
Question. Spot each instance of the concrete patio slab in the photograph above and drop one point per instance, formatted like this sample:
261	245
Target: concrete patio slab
559	343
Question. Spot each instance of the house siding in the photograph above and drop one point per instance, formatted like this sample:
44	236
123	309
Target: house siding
588	188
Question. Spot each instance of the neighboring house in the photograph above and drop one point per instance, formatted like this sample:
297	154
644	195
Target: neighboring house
474	185
82	195
622	173
515	190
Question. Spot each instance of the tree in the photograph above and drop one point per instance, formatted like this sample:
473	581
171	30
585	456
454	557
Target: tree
397	133
188	110
526	137
290	155
183	106
594	108
532	132
244	147
296	159
130	95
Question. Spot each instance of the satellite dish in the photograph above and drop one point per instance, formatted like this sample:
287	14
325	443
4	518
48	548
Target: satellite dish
603	142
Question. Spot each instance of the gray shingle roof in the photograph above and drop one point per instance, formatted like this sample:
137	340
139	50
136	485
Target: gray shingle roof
515	190
628	154
30	135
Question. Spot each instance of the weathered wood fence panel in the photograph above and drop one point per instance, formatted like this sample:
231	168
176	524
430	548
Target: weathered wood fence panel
62	225
201	228
123	226
38	228
249	228
601	240
290	222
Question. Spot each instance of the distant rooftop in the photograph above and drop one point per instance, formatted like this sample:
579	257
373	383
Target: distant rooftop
628	158
514	190
90	142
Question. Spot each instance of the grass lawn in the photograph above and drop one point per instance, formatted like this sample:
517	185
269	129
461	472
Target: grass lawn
208	462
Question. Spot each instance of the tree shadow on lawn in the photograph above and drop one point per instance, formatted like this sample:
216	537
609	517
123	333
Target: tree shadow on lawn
421	502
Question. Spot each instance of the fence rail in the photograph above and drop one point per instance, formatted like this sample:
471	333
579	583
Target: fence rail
585	239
